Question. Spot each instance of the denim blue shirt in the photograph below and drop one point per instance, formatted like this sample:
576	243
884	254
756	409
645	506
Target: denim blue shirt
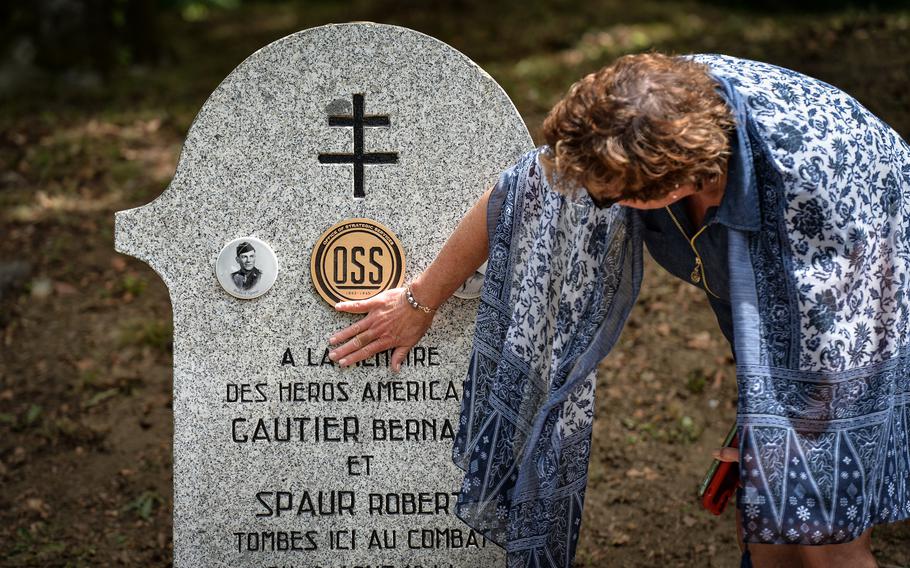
668	243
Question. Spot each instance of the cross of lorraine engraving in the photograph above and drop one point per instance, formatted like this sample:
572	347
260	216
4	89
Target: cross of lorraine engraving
359	158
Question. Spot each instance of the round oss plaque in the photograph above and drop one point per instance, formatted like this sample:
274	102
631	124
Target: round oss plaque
356	259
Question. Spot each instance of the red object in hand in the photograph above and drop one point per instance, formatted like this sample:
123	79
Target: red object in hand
721	481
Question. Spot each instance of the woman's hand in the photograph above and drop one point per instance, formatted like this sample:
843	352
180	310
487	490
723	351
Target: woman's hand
390	323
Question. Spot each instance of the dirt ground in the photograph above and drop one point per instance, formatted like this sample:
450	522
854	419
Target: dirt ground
85	333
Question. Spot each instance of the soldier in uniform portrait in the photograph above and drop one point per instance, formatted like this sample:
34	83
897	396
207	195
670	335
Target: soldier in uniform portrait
248	276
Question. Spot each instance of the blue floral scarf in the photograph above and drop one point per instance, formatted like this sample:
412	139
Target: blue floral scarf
561	279
821	312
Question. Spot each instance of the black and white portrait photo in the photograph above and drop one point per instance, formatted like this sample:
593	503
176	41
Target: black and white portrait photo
248	275
246	267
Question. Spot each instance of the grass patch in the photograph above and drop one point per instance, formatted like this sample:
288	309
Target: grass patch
697	382
157	334
144	505
132	284
100	397
32	414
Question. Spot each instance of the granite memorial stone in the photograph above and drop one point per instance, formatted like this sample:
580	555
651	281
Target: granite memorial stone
280	457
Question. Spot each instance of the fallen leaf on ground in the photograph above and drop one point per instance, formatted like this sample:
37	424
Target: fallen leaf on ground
64	289
646	473
118	263
18	456
701	341
620	539
719	376
38	506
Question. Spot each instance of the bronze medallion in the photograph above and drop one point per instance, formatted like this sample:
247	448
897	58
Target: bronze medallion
356	259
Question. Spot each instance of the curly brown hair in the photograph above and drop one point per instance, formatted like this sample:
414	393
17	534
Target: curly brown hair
641	125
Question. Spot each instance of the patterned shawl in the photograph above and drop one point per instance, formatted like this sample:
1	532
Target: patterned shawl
821	311
818	282
561	279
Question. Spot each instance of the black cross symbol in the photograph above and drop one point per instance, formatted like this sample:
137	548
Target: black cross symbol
359	158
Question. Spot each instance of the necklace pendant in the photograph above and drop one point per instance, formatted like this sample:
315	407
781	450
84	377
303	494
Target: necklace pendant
696	272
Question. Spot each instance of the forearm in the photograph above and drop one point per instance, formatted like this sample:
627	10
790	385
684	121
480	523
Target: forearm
461	255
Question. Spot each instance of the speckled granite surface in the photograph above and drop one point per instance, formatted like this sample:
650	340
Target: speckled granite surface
249	167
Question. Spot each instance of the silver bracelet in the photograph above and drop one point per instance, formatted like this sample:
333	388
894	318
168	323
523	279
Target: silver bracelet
414	303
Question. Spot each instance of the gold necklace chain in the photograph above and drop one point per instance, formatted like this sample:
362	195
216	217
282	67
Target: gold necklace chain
698	272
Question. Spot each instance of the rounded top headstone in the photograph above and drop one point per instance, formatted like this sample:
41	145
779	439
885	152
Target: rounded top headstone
274	151
342	122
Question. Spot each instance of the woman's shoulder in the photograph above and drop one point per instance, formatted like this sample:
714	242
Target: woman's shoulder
732	66
794	113
758	76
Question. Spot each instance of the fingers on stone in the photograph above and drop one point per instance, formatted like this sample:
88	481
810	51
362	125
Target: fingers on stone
372	349
345	334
